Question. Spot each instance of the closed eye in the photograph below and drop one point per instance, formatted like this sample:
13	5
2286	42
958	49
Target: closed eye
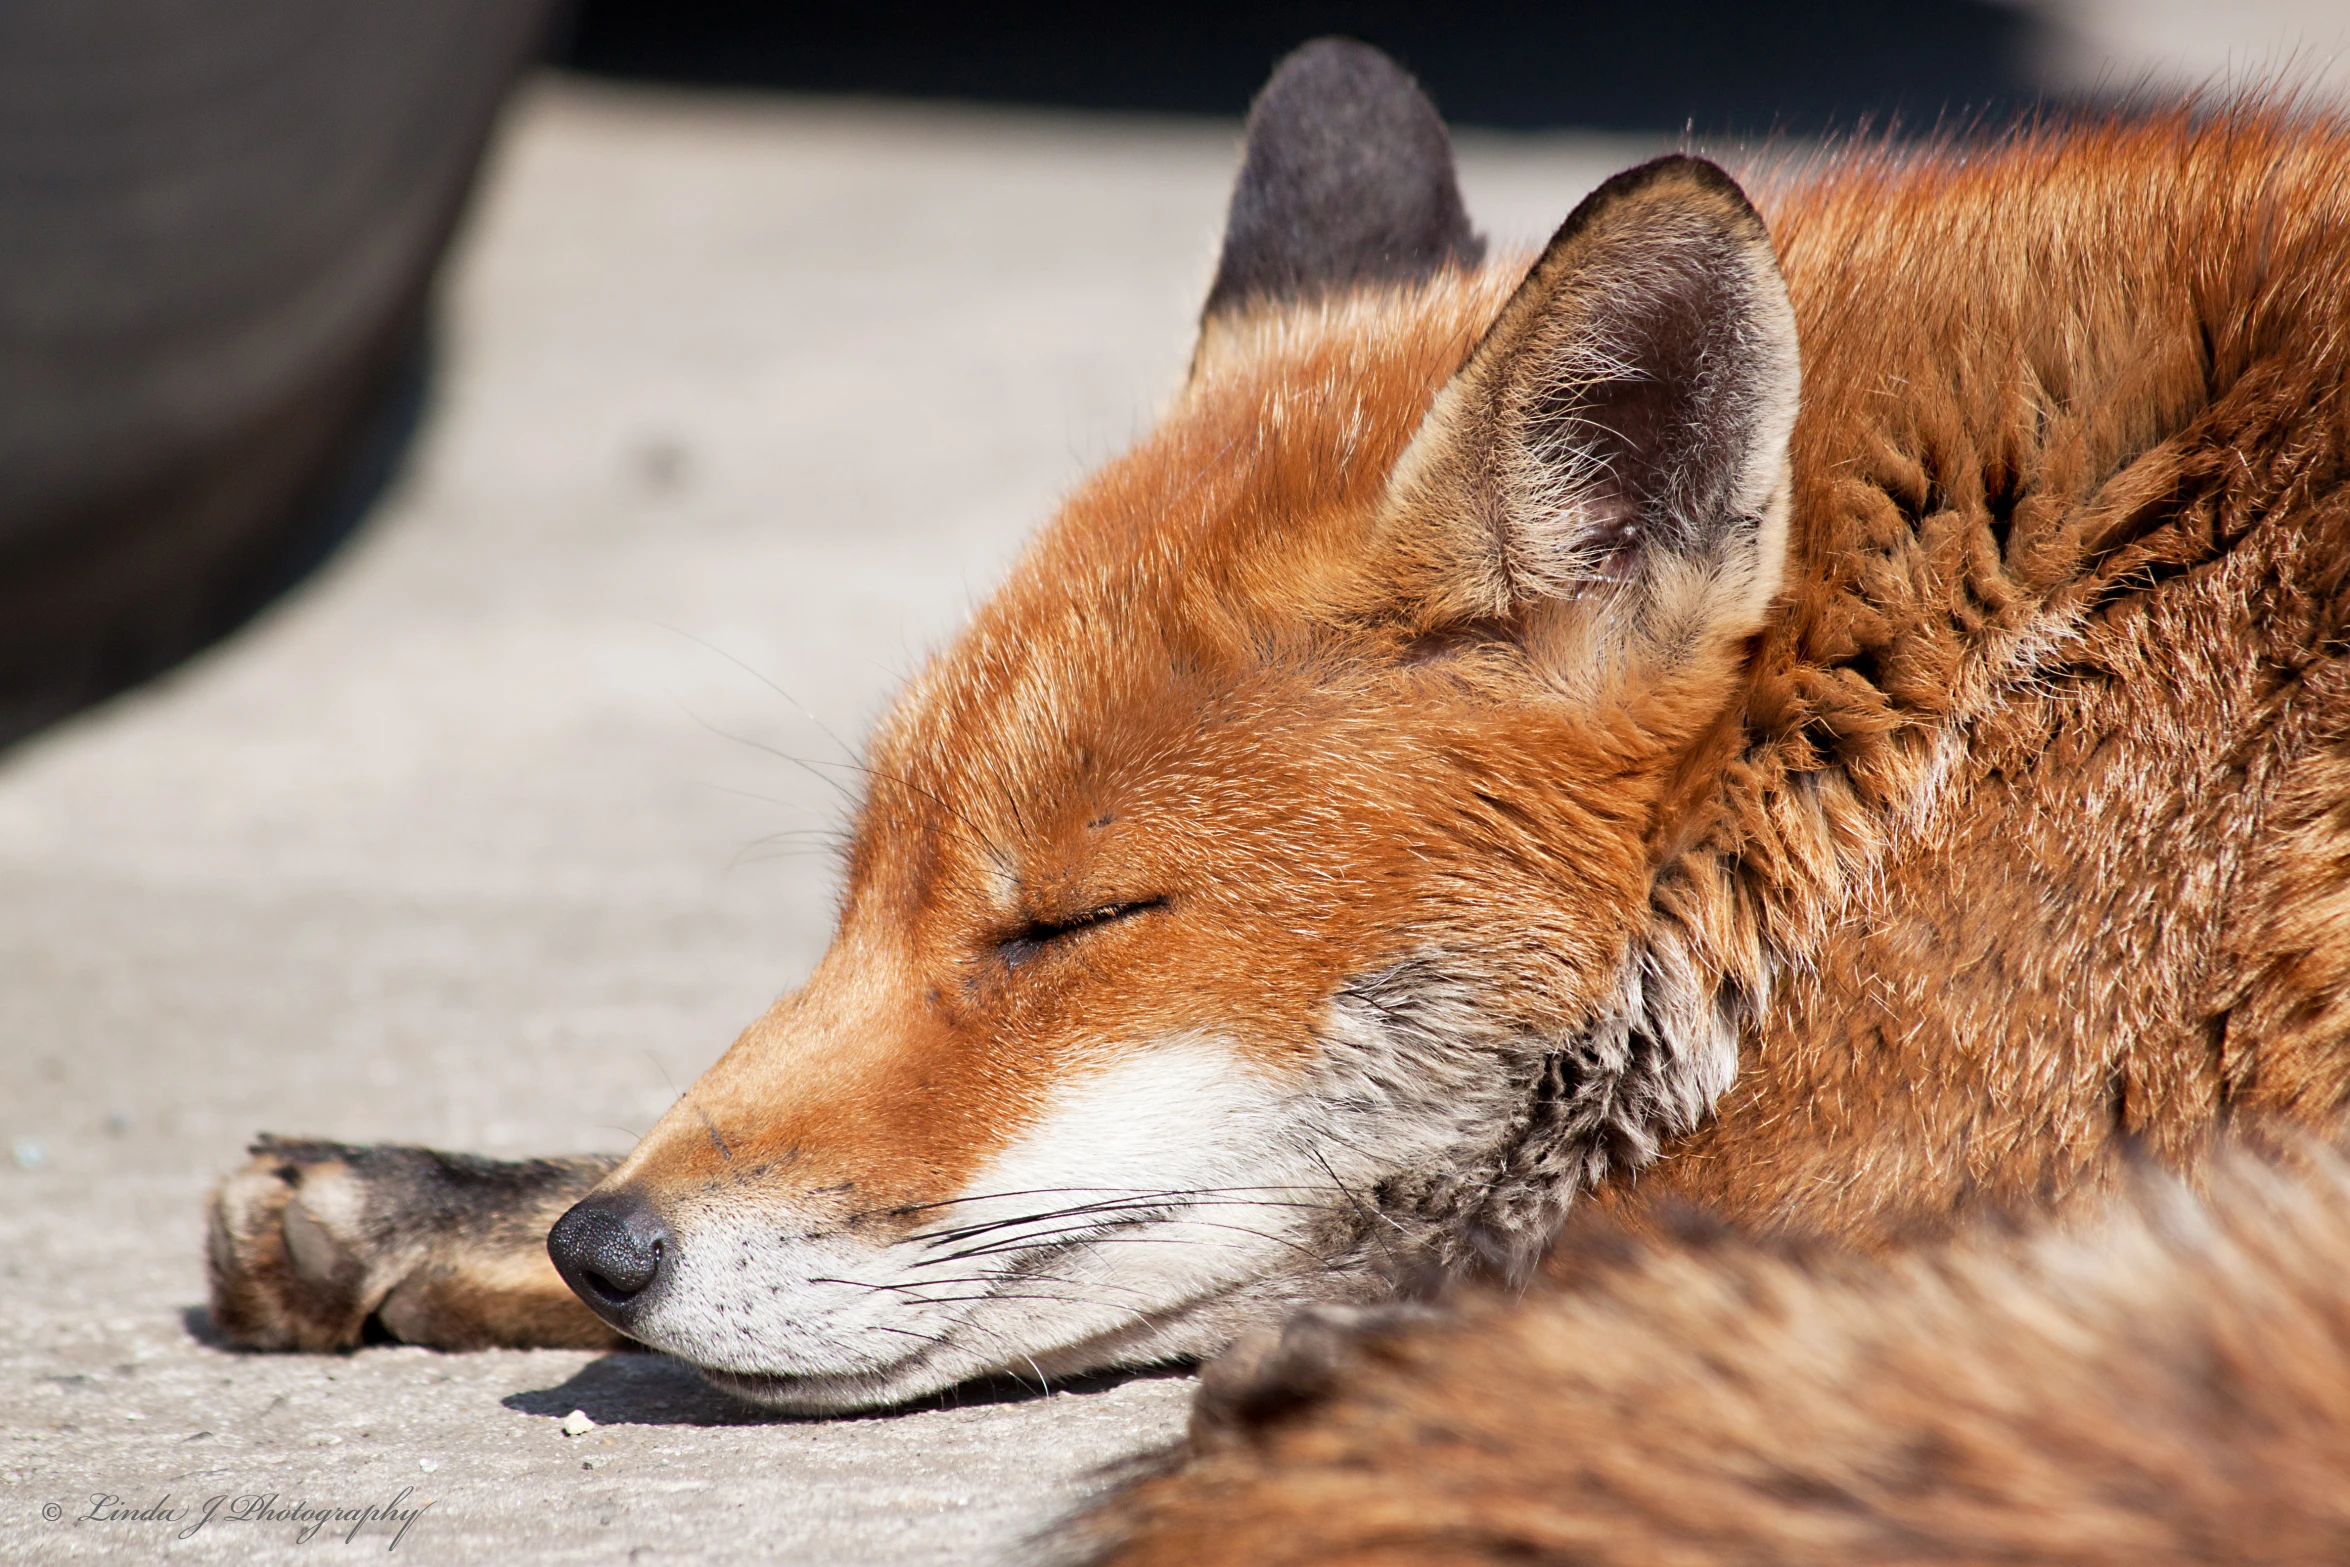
1033	938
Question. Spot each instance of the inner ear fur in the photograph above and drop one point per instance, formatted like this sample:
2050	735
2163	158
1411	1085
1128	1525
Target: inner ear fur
1608	474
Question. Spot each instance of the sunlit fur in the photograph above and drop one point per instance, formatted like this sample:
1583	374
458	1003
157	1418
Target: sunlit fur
2035	828
2015	828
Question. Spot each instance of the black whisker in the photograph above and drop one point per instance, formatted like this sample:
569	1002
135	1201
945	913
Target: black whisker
931	1338
965	1231
1153	1203
1092	1238
1086	1235
1361	1212
805	711
811	766
1009	1275
1058	1300
1171	1192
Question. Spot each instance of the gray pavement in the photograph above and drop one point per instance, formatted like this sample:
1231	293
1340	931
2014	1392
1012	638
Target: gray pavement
489	838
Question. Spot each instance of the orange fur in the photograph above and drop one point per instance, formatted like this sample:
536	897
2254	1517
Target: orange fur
2068	567
2065	647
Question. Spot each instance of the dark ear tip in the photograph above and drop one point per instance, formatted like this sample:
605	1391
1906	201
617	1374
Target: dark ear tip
1675	168
1702	172
1348	180
1333	59
1338	86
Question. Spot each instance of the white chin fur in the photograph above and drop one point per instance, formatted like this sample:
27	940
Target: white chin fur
1164	1201
1194	1332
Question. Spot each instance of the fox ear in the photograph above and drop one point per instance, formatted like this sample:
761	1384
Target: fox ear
1609	471
1348	180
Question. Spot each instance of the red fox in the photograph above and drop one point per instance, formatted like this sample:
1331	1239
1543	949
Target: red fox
1834	713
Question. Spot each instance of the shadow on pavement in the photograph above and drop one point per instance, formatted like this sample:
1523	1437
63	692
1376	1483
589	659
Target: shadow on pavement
655	1390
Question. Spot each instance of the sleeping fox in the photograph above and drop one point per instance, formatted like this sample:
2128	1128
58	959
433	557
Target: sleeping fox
1837	715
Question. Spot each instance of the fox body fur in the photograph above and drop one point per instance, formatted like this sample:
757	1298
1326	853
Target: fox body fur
1835	712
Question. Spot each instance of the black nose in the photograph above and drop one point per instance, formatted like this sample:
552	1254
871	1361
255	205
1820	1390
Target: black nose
608	1249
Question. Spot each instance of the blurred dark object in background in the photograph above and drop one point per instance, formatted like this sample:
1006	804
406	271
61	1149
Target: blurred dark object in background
218	229
219	222
1721	66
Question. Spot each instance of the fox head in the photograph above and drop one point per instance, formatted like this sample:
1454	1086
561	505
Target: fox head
1274	886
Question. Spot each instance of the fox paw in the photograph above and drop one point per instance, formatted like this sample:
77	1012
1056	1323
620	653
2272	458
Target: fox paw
295	1263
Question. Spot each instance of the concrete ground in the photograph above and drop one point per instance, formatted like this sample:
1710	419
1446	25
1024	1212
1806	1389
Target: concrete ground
493	835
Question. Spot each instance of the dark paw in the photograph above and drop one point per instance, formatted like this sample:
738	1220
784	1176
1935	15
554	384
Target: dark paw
295	1263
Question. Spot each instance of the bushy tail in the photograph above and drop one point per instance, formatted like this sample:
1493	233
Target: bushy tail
2166	1380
